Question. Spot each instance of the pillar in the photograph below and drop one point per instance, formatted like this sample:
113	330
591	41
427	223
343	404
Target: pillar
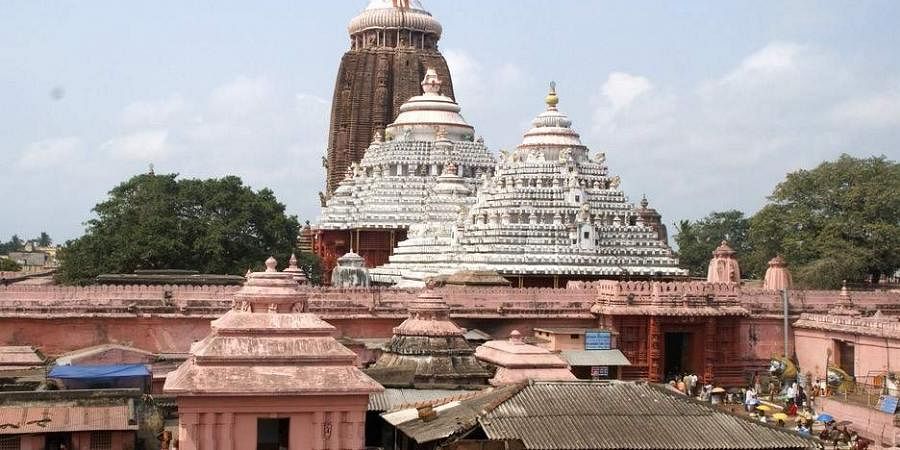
187	431
654	354
709	351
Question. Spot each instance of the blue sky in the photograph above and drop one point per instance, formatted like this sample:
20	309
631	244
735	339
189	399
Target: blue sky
702	105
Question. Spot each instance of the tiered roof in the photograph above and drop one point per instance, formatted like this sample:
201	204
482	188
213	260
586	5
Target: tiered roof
398	182
517	361
268	345
428	350
551	208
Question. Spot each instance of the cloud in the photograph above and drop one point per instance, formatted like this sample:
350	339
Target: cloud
622	88
50	152
153	113
729	139
145	145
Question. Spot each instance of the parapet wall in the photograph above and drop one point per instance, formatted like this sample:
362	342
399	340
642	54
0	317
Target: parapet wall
573	302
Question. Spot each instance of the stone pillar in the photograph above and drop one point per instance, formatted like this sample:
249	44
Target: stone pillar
187	431
709	351
654	354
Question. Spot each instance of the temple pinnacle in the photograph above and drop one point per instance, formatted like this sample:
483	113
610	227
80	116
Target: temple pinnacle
552	99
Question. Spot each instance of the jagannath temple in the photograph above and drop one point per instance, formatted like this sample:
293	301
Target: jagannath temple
550	213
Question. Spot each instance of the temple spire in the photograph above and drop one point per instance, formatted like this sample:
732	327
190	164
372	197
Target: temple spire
552	99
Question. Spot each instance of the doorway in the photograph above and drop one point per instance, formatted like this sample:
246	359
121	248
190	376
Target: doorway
272	434
57	441
675	353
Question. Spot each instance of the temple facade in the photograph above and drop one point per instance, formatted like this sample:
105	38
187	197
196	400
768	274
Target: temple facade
392	44
428	157
550	213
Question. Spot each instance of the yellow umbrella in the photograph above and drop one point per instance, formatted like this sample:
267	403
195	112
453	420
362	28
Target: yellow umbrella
764	408
779	416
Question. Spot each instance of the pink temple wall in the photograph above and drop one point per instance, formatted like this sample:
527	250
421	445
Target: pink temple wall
872	355
230	423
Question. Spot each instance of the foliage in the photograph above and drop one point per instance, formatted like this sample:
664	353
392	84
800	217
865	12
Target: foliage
697	240
44	240
14	244
838	221
157	222
8	265
311	265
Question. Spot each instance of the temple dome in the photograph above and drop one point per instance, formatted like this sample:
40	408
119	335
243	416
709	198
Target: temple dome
393	14
724	267
551	128
431	115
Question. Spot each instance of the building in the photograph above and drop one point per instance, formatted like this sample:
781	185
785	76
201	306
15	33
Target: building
270	376
392	44
551	213
591	353
422	161
582	415
517	361
429	351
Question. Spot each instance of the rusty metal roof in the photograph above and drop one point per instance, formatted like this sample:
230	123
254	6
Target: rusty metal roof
621	415
392	398
53	419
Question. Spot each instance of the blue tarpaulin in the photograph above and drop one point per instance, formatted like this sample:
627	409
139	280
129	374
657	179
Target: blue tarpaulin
81	372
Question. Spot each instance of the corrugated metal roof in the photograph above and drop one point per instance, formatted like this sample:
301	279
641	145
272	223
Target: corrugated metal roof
608	415
612	357
392	399
53	419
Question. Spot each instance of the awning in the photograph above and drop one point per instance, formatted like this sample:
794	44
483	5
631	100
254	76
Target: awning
612	357
99	371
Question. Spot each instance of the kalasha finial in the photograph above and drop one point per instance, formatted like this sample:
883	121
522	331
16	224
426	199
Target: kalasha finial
552	99
292	263
644	202
515	337
431	84
270	264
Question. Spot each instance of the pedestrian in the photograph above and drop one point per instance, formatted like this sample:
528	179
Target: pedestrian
750	400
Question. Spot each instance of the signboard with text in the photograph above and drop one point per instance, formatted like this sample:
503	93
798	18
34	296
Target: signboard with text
597	340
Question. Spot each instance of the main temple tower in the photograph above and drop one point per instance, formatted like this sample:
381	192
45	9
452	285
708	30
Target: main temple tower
392	44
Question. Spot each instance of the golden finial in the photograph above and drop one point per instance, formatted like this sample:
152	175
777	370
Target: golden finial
552	100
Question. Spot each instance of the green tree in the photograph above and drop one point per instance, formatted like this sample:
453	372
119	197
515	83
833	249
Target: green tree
311	265
838	221
696	240
8	265
14	244
157	221
44	239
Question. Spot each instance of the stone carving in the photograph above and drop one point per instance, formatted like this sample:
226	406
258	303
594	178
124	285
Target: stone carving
614	182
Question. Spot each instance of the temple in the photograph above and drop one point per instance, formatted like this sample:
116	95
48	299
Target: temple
400	180
270	375
428	350
392	44
518	362
551	213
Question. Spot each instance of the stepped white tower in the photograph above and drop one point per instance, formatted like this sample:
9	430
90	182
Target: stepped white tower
551	211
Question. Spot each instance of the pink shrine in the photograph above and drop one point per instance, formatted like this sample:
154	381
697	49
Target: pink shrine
723	267
270	376
518	362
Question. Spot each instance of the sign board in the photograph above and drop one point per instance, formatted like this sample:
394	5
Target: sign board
597	340
599	371
888	404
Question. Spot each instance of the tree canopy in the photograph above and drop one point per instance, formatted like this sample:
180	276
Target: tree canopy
14	244
160	222
840	220
697	240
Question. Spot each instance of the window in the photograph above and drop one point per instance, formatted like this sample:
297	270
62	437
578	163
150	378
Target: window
573	336
272	434
10	443
577	198
101	440
587	234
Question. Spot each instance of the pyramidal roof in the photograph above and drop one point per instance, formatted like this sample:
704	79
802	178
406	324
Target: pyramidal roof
398	181
267	345
429	350
550	208
517	361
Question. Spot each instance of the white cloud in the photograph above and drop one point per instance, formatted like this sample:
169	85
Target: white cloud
242	96
153	113
729	139
874	111
622	88
50	152
145	145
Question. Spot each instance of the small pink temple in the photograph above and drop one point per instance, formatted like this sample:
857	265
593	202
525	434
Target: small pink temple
270	375
517	361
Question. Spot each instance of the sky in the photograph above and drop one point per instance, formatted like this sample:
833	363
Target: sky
700	105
